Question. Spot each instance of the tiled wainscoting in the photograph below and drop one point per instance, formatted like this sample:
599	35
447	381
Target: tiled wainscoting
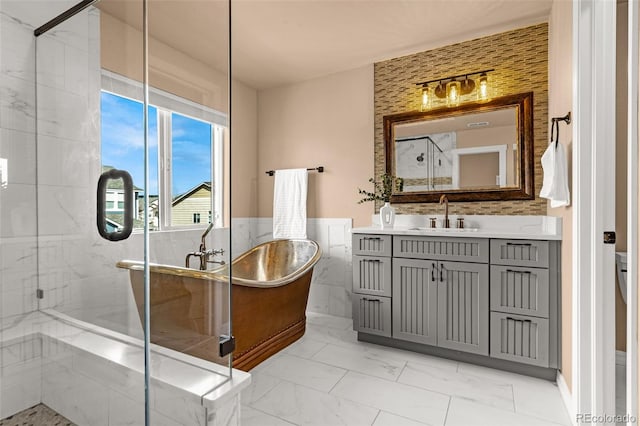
332	276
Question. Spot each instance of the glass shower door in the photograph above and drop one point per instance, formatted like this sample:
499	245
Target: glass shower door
119	152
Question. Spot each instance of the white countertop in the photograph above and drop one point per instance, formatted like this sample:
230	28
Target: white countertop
476	226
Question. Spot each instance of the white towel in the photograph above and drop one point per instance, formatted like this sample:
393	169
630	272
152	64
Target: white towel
290	204
555	183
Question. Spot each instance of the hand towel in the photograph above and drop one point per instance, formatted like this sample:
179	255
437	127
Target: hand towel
555	182
290	204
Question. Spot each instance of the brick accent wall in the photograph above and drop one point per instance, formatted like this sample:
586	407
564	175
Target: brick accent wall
520	60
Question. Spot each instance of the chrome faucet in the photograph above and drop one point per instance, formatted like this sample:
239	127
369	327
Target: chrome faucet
203	253
444	200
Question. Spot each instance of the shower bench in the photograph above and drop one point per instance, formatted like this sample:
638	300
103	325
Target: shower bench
95	376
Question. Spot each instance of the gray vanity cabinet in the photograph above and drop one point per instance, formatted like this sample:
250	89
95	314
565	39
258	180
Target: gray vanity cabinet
463	306
475	299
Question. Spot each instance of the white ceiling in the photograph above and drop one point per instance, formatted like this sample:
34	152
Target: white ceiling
278	42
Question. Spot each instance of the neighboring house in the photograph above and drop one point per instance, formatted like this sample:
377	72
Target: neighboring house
115	199
194	206
154	215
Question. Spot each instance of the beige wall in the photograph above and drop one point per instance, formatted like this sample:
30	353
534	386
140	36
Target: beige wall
322	122
505	135
621	163
560	101
479	170
184	76
244	151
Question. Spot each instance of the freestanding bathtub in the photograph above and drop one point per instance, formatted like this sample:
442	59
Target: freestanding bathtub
270	289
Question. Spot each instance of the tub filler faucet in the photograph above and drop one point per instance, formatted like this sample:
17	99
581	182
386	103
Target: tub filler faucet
203	253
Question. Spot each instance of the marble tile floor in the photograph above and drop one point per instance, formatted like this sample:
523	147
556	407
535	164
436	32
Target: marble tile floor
38	415
328	378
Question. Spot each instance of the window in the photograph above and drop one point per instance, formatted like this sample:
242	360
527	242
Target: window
191	156
185	154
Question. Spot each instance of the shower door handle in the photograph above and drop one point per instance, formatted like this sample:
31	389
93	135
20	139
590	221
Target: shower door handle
102	220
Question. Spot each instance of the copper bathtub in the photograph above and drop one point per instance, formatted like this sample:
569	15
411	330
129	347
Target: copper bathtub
270	288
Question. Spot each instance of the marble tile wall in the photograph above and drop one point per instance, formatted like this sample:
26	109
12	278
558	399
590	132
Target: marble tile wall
18	227
20	359
332	277
20	379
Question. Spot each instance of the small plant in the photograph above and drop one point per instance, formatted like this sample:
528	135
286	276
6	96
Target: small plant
382	189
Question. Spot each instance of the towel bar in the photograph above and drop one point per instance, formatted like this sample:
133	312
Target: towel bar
319	169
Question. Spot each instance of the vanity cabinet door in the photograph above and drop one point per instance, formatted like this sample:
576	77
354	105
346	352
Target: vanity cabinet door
371	245
441	248
523	291
372	275
463	306
520	338
520	253
415	301
372	315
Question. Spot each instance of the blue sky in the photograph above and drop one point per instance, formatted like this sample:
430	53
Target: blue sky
123	144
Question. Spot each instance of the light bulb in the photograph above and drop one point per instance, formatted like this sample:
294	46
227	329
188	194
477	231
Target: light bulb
427	96
483	87
453	93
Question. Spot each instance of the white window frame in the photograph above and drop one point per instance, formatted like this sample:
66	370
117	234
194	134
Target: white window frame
166	104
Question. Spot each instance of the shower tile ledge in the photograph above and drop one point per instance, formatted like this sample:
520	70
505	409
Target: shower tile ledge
198	381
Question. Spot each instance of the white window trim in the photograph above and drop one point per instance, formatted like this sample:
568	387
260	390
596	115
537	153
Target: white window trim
166	104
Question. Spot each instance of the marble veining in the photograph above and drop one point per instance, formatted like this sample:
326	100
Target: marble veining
428	391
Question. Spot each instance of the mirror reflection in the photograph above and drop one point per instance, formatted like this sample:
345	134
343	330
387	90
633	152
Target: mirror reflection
478	151
470	151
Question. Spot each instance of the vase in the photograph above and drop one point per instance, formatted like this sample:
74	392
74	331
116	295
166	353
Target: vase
387	216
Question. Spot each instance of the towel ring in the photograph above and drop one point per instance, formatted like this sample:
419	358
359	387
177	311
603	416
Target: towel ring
554	125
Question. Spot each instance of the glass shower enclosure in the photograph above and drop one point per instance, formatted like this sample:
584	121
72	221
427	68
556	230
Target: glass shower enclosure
114	194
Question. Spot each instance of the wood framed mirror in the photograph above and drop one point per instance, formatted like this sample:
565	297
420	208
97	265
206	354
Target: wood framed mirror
479	151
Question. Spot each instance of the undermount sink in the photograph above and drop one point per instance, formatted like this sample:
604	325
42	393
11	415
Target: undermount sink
452	230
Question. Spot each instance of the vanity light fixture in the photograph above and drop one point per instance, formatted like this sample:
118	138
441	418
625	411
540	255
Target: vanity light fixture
453	88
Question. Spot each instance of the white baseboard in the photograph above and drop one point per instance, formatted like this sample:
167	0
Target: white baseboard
621	358
565	393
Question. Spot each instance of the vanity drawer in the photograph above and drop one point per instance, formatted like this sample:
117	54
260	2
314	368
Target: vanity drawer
372	315
520	253
441	248
520	338
374	245
372	275
523	291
